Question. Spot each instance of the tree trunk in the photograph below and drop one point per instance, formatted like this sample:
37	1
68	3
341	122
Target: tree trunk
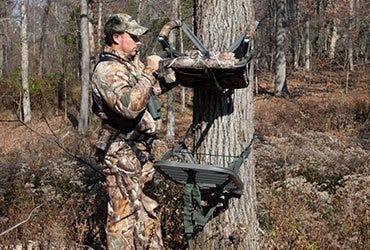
307	54
333	40
350	36
170	132
85	68
322	35
99	28
2	36
294	41
42	38
367	44
2	41
183	89
298	43
139	6
224	124
281	88
91	34
26	104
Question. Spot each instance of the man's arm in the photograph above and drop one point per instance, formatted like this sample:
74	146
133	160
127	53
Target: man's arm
123	96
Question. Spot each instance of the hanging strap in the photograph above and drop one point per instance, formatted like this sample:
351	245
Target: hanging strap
236	164
194	216
193	211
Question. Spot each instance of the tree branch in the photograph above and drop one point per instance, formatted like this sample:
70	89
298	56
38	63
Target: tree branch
57	142
22	222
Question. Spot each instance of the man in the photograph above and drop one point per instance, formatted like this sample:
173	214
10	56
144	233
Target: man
122	91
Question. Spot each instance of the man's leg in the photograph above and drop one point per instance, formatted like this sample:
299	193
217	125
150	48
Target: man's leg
125	229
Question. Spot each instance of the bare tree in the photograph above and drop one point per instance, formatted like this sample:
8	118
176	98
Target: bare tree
91	34
307	47
181	41
350	35
42	38
99	27
281	88
224	124
26	104
292	9
333	40
2	36
170	131
85	68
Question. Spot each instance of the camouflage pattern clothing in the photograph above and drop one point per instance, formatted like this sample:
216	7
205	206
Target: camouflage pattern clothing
121	90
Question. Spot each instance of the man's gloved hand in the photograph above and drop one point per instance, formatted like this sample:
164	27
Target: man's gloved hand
152	62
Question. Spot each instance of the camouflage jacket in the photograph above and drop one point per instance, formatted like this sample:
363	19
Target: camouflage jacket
121	91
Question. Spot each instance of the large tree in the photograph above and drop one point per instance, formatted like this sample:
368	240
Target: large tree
224	123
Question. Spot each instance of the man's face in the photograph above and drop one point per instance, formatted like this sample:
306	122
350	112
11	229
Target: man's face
127	42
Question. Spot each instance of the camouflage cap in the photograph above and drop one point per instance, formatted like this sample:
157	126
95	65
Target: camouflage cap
123	23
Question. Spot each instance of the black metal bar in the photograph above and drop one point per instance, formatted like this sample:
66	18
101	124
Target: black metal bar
198	44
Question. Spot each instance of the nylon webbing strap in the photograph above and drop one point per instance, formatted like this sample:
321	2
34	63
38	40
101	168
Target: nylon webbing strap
188	218
193	210
235	165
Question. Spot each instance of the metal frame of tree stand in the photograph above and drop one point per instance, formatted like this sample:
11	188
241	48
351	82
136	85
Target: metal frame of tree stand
208	77
219	183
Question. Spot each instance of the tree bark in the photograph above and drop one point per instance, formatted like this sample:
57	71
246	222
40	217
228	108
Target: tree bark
91	35
85	69
294	41
307	49
100	27
333	40
42	38
170	132
224	124
183	89
26	104
322	35
2	36
350	36
281	88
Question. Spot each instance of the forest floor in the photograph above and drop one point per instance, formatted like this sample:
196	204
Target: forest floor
312	170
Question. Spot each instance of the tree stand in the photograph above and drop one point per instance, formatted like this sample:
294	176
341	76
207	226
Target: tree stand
219	183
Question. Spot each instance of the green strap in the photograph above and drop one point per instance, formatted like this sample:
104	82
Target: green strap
199	218
193	210
188	218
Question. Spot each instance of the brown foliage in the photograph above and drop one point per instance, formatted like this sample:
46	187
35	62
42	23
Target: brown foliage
313	166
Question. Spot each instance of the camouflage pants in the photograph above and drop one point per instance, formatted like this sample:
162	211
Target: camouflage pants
131	221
